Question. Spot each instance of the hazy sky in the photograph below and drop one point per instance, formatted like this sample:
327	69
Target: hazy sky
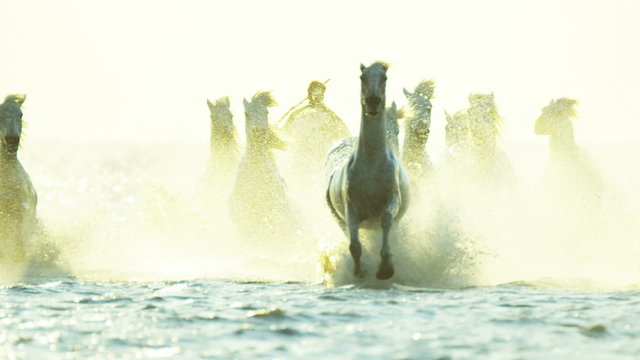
141	70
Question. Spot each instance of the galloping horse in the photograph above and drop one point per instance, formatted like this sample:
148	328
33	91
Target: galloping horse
393	115
573	176
457	132
17	196
370	187
492	164
224	153
259	200
414	154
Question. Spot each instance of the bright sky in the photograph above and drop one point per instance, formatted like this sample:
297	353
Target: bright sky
140	70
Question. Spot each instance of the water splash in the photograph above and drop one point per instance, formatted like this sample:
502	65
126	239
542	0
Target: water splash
134	212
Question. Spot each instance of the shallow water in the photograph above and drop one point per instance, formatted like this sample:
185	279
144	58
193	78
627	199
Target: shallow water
136	263
213	319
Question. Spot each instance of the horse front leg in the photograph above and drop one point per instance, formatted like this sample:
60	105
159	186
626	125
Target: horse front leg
386	271
354	247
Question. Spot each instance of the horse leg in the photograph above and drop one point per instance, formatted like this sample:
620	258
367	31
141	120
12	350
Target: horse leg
385	271
354	247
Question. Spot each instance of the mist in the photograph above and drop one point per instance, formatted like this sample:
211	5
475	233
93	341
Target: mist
128	82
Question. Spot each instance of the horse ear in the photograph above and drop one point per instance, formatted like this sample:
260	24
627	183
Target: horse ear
406	92
362	67
394	107
245	102
210	105
447	116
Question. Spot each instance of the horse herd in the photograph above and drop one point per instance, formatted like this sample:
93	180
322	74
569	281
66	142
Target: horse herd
369	180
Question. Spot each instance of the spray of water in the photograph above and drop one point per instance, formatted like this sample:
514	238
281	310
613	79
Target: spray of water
148	212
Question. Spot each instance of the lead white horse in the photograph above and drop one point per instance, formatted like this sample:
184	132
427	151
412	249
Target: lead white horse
18	198
369	187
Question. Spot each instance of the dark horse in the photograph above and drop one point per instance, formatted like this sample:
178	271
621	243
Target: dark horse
370	186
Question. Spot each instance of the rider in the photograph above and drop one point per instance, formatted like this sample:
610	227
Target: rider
334	129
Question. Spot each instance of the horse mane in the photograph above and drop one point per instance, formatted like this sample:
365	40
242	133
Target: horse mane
16	98
382	64
564	107
398	112
264	98
425	88
223	101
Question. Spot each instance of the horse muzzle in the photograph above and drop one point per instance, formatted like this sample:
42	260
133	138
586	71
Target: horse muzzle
373	105
423	134
12	143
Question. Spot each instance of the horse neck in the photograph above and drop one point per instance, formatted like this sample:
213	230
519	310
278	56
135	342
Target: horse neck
485	147
412	140
259	151
223	145
562	139
372	142
7	160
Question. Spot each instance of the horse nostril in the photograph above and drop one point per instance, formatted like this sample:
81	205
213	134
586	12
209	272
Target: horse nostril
12	143
373	100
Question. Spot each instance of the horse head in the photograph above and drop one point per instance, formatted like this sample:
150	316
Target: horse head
457	128
257	126
221	119
420	104
11	122
372	93
556	116
392	116
315	92
484	120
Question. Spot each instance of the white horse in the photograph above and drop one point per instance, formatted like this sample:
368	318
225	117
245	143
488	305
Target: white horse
392	117
224	155
258	202
18	198
369	187
457	138
572	175
417	127
492	166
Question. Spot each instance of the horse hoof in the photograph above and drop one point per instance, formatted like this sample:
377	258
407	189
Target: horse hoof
386	270
385	273
358	273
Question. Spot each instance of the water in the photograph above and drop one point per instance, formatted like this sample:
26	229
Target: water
136	264
214	319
